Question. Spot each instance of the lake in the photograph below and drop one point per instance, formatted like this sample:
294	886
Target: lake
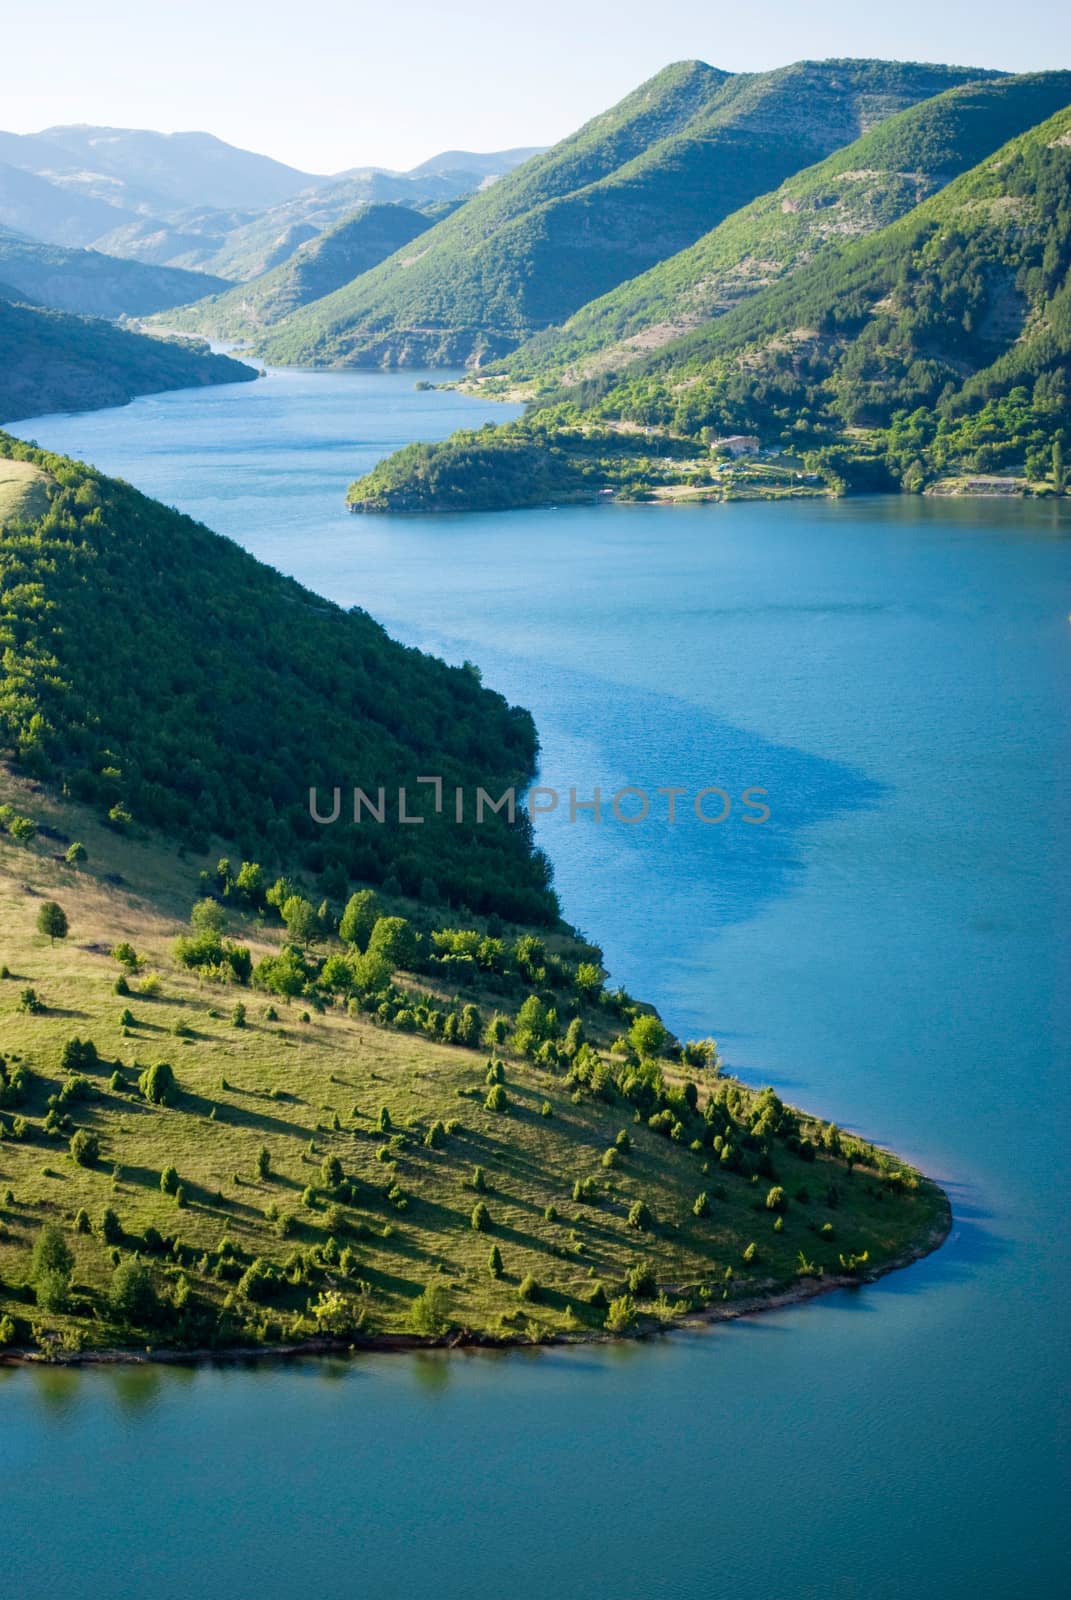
890	949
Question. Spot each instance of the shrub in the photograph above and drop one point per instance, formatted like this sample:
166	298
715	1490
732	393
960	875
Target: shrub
110	1228
238	1016
435	1137
84	1148
429	1314
157	1084
30	1001
639	1216
132	1296
621	1315
701	1207
611	1158
641	1282
331	1172
750	1253
481	1217
529	1288
75	853
496	1098
775	1199
169	1181
81	1220
494	1262
263	1162
624	1141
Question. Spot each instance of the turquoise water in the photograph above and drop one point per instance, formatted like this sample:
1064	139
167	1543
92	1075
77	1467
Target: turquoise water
891	949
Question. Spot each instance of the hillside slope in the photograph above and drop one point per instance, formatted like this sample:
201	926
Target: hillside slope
315	269
936	348
135	690
52	361
231	1119
96	285
860	189
638	183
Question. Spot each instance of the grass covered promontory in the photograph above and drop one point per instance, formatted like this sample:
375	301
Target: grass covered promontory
484	1144
255	1094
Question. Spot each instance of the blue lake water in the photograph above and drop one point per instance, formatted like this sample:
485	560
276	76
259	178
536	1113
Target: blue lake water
890	949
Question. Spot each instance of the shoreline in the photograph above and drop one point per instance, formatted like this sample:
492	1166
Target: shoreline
778	1299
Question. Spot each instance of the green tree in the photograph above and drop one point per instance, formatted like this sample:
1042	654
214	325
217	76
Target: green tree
331	1172
75	854
52	920
639	1216
394	940
647	1036
110	1228
52	1263
363	911
494	1262
263	1162
300	917
481	1217
208	916
169	1181
132	1297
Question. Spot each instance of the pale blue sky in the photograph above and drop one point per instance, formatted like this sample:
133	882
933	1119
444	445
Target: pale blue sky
328	84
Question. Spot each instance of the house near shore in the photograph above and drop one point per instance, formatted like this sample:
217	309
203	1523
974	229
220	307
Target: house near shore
738	444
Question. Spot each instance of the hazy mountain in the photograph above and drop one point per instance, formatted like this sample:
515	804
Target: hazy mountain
159	172
93	284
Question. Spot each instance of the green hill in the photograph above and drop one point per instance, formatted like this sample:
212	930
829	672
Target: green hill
314	270
933	351
860	189
52	361
92	284
637	184
137	692
265	1120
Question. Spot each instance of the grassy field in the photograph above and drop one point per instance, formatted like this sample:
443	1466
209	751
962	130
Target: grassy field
23	490
306	1086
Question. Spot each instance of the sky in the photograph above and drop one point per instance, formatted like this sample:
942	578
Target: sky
331	84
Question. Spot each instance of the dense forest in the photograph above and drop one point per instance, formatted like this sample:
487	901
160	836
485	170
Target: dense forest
159	672
52	361
90	283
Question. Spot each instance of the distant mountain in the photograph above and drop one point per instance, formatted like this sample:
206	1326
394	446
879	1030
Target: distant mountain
858	190
158	172
34	206
493	164
315	269
934	349
51	361
190	200
92	284
638	183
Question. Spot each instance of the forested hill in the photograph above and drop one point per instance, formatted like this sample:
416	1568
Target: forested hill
90	283
160	673
52	361
862	188
317	268
940	345
638	183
